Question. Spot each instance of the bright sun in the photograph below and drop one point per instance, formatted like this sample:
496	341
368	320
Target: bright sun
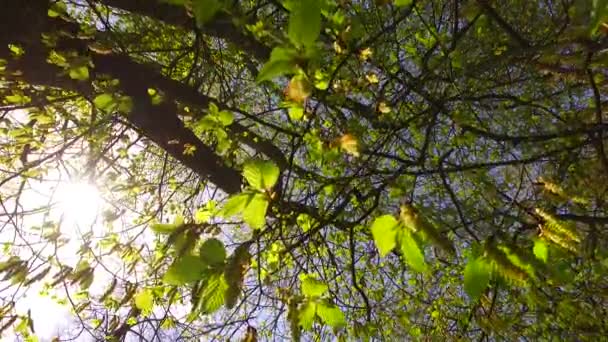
79	204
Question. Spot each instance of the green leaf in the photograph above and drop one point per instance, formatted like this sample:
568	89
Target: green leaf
203	215
307	314
226	117
305	222
541	250
255	212
305	22
412	252
213	252
186	269
80	73
144	300
281	62
476	277
312	287
164	228
331	315
205	10
57	9
401	3
296	113
212	297
103	101
384	232
236	204
261	175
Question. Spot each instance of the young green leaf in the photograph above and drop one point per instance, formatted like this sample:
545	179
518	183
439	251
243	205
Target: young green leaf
236	204
225	117
476	277
305	222
307	314
331	315
104	101
213	252
281	62
401	3
164	228
541	250
312	287
305	22
261	175
186	269
255	212
80	73
144	300
212	297
414	256
384	232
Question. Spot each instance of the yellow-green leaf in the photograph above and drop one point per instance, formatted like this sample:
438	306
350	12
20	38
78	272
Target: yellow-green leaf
144	300
384	232
331	315
312	287
411	251
80	73
261	175
541	250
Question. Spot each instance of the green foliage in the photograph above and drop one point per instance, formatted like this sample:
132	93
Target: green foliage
212	252
306	316
384	230
104	101
410	249
213	293
304	22
282	61
80	73
144	300
205	10
541	250
185	269
403	2
261	175
465	139
476	277
312	287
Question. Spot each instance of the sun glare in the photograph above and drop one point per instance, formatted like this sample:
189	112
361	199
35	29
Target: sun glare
79	204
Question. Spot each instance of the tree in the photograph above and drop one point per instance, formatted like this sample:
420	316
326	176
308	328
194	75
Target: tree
311	169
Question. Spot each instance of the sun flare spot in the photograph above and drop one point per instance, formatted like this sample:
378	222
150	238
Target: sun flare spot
79	204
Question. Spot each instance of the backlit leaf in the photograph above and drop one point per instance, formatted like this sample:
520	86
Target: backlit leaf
144	300
186	269
255	212
312	287
307	314
331	315
414	256
212	297
541	250
476	277
384	232
261	175
304	22
281	62
103	101
80	73
213	252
